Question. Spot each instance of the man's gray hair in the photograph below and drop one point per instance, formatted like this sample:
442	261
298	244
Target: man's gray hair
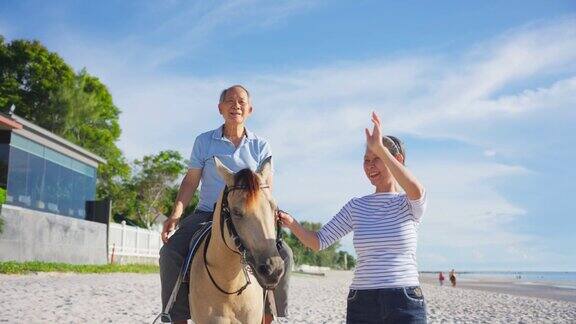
225	91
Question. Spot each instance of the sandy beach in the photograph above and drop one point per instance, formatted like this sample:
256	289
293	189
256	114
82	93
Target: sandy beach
134	298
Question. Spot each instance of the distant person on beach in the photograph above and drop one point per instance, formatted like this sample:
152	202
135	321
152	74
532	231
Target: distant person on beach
453	277
237	148
441	278
385	288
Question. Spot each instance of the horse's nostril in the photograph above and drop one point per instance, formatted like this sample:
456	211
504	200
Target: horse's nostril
265	269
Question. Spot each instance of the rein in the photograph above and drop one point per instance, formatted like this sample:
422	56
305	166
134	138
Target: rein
237	292
226	219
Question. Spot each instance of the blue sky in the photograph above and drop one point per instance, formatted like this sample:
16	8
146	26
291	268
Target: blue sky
483	94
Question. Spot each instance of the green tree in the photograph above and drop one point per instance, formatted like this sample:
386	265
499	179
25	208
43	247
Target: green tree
152	183
78	107
30	76
351	262
345	261
329	257
92	122
170	198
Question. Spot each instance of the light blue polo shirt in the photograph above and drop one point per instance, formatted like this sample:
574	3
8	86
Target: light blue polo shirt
251	151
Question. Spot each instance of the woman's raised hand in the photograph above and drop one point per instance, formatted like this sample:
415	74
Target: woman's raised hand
374	140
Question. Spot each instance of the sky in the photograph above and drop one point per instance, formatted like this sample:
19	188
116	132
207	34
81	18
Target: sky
483	94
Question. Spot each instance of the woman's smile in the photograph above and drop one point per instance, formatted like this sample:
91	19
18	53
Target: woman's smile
373	175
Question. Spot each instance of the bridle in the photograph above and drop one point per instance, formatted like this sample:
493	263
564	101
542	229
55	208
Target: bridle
226	220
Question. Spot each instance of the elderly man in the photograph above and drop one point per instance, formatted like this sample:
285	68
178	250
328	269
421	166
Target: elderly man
237	148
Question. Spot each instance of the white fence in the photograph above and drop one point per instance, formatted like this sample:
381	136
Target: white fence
312	269
132	241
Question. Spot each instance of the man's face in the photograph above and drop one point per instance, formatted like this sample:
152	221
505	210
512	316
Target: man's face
236	107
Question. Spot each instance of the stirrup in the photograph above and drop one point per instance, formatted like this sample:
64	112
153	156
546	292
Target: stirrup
165	317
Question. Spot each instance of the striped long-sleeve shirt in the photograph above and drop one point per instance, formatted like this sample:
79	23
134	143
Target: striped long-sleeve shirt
385	227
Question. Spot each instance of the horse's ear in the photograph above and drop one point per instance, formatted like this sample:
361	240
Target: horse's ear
226	174
265	168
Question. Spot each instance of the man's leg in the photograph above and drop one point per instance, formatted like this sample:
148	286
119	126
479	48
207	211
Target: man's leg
170	265
281	291
172	255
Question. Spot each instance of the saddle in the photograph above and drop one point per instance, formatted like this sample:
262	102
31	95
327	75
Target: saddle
184	275
197	238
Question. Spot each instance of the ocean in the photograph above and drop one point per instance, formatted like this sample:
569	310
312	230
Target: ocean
561	279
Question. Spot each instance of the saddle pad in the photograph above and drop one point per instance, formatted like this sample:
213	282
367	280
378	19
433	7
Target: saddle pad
193	247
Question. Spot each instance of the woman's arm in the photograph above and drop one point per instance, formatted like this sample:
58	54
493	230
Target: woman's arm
413	188
185	194
307	237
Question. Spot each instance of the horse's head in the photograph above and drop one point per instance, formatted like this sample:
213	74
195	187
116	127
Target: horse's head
252	212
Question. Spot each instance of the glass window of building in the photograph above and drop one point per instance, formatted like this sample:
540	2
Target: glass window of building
43	179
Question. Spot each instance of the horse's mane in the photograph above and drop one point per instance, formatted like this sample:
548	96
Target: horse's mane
249	181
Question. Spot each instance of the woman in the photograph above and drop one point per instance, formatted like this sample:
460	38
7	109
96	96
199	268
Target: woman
441	278
385	288
237	148
453	277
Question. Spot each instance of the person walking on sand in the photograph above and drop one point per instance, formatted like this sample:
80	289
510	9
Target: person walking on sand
453	277
441	278
237	148
385	288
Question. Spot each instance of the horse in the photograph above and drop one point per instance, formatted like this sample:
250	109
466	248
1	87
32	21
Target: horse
242	233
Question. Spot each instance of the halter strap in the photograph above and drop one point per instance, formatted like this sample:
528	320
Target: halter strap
237	292
226	219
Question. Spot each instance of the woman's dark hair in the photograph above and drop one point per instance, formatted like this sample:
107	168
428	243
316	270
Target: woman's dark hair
394	145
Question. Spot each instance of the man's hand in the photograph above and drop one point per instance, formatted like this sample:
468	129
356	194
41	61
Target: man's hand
169	226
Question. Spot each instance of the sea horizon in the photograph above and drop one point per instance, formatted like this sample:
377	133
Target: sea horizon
559	279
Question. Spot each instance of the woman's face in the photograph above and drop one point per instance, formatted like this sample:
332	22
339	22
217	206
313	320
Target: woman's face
236	107
375	169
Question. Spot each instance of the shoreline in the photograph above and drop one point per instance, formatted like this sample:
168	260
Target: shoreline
547	290
135	298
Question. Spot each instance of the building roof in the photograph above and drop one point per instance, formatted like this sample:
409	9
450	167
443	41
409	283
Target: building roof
7	123
33	132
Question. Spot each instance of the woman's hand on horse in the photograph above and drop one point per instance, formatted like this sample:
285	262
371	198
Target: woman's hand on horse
169	226
374	140
285	219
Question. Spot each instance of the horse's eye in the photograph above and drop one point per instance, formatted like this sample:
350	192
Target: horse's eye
237	213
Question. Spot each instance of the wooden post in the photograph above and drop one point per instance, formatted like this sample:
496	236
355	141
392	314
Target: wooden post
112	256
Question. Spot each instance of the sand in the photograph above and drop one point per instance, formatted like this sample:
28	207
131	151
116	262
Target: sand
134	298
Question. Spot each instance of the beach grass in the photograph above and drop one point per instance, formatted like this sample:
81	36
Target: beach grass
11	267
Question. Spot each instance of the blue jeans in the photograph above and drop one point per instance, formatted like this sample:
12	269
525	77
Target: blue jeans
387	305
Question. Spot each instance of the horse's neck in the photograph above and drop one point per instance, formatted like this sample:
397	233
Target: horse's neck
225	264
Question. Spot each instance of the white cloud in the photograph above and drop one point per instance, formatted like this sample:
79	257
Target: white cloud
465	210
413	94
489	153
180	29
314	118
